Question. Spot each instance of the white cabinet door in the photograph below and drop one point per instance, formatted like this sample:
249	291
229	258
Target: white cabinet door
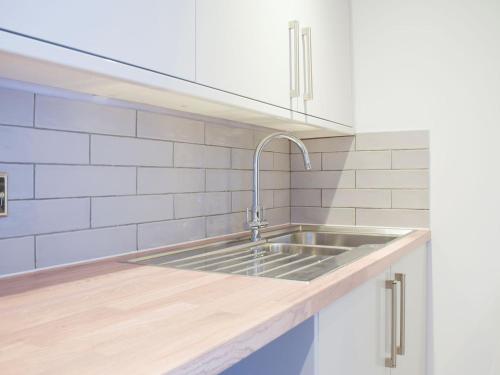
243	47
413	266
352	335
330	27
154	34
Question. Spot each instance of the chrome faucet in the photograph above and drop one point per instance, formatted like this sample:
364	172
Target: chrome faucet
255	215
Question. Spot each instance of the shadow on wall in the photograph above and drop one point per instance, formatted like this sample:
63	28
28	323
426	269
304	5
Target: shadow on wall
373	179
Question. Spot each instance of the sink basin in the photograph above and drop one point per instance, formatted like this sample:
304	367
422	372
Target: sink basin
332	239
302	254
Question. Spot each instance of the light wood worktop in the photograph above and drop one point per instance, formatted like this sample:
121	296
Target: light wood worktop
110	317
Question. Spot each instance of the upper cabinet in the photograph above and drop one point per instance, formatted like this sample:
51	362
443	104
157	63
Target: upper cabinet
153	34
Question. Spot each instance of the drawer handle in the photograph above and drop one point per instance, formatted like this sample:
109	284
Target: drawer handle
392	286
293	33
401	278
308	72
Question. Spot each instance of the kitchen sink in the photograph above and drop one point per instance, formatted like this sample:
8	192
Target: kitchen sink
303	253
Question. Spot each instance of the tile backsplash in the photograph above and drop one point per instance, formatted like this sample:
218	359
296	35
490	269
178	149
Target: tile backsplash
89	180
374	179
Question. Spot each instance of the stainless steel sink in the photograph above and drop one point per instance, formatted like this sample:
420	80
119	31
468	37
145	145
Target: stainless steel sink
302	253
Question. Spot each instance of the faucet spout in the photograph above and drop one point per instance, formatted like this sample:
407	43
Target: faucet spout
255	216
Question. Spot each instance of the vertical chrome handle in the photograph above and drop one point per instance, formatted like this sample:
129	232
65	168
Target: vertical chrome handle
401	277
391	361
293	28
307	57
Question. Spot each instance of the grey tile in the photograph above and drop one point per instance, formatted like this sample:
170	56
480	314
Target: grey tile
201	156
170	232
29	217
27	145
276	145
64	181
16	107
228	180
368	198
418	199
297	162
171	128
393	218
170	180
278	215
109	211
20	180
330	144
200	204
395	179
241	200
17	255
243	159
230	136
274	180
110	150
323	179
410	159
281	162
392	140
282	198
357	160
226	224
321	215
75	115
306	197
61	248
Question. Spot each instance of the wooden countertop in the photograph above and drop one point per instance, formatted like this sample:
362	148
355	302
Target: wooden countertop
109	317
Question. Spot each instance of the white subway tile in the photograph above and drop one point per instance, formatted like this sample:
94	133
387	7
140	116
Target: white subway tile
357	160
330	144
243	159
230	136
410	159
17	255
281	162
63	181
201	156
282	198
20	180
29	217
306	197
60	248
277	215
27	145
170	128
228	180
395	179
170	180
276	145
418	199
16	107
392	140
241	200
225	224
75	115
323	179
130	151
201	204
297	162
392	218
321	215
274	180
110	211
169	232
368	198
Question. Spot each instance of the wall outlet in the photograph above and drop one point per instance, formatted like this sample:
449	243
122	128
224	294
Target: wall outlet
3	194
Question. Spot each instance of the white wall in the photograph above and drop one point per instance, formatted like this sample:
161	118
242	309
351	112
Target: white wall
435	65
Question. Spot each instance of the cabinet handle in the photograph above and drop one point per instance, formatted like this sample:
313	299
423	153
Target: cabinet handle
391	361
308	72
293	28
401	277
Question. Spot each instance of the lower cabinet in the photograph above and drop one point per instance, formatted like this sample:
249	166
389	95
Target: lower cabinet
356	334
